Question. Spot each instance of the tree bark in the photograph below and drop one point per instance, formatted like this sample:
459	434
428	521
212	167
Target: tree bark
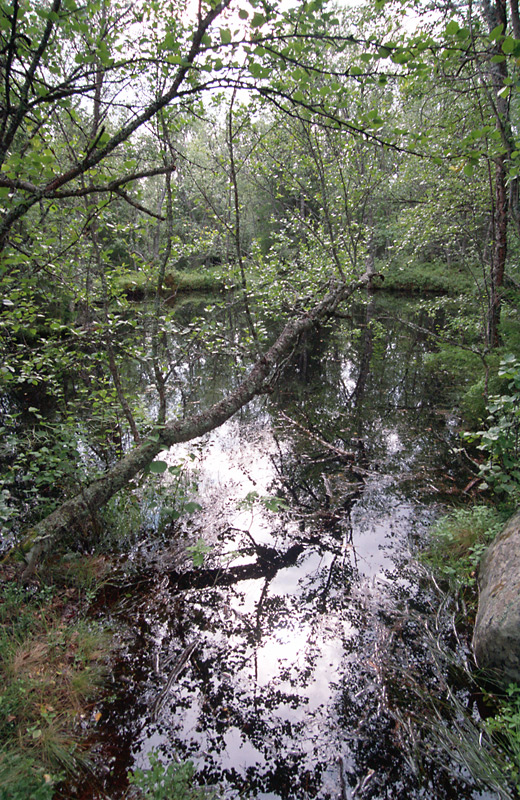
499	254
495	13
79	509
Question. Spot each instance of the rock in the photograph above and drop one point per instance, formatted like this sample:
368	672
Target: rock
496	639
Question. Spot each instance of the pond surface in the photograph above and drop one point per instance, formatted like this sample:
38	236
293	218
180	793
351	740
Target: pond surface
295	661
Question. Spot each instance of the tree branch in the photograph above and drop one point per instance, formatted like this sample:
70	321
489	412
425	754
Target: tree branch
93	159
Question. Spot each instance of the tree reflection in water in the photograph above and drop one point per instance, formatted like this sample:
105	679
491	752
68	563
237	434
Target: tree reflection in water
290	688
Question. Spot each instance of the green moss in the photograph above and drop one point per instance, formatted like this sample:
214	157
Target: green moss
431	277
141	284
194	281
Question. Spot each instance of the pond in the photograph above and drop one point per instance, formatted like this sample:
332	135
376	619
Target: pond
291	656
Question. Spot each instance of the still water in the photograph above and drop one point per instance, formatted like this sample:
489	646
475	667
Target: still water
295	661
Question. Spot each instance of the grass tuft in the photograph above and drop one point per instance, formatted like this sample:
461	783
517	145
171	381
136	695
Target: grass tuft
52	666
457	543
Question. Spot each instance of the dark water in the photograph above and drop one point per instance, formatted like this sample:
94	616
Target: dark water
293	664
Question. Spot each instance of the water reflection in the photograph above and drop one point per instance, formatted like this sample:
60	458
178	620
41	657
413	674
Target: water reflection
281	683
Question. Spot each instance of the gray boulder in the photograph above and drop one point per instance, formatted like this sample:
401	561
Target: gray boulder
496	638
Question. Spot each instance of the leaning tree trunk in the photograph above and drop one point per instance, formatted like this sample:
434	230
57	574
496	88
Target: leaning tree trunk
44	536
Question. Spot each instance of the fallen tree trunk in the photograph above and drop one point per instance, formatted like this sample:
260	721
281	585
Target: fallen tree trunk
45	535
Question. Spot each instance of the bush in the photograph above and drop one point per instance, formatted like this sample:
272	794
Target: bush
505	729
500	440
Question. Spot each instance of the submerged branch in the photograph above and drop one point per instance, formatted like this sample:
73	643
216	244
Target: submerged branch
345	455
268	563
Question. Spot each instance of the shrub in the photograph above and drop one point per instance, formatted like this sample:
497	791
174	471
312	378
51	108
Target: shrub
500	440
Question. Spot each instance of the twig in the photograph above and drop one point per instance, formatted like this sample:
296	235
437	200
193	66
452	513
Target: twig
174	675
338	451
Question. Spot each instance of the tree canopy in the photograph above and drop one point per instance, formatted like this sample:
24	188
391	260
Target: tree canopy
286	146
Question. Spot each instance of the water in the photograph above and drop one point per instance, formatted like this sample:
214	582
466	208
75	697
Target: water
288	666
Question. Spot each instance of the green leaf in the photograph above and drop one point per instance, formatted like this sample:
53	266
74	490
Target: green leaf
496	33
256	69
469	169
225	35
104	54
508	45
170	42
452	28
258	20
192	506
400	57
243	14
158	467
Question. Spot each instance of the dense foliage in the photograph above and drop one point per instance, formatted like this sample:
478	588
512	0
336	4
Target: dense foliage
269	150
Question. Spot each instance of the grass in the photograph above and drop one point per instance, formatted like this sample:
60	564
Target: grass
457	542
53	663
139	284
489	749
430	277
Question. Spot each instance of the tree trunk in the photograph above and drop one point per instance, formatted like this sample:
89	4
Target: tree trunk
496	14
499	253
79	509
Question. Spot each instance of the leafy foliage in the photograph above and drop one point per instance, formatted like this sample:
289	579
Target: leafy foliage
505	728
171	782
198	552
500	440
